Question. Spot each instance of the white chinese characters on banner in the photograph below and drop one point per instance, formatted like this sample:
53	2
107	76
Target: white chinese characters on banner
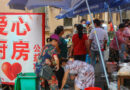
21	40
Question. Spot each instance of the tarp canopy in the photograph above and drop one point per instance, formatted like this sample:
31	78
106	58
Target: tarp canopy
18	4
64	4
82	9
96	6
78	7
31	4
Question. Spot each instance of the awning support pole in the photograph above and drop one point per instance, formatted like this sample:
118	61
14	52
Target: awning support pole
102	59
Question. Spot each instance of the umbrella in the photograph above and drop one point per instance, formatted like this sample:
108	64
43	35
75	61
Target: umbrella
81	9
117	3
96	6
64	4
18	4
31	4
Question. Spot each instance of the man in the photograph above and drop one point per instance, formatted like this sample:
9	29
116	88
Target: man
83	22
102	37
89	27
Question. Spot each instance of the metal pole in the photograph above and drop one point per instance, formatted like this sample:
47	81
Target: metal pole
113	26
120	14
104	67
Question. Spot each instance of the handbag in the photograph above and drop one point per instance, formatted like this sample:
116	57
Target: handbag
46	72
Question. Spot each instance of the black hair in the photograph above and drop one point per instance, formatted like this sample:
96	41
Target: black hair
122	25
126	21
109	22
102	21
83	20
97	22
49	40
80	30
67	36
59	29
75	25
63	60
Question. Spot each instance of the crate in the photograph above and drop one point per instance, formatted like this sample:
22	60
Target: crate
111	67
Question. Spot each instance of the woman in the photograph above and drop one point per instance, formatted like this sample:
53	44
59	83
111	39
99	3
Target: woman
63	44
84	74
49	56
80	45
115	48
62	52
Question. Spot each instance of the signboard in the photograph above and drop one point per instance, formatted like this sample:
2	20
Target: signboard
22	35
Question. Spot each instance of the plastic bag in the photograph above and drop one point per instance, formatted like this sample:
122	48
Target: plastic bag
113	85
106	54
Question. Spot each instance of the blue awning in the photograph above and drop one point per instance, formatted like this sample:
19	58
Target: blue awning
31	4
96	6
18	4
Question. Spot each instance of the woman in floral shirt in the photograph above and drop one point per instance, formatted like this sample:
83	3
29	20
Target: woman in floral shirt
49	56
114	49
84	74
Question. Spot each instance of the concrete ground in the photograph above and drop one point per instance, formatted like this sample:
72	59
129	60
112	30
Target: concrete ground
99	82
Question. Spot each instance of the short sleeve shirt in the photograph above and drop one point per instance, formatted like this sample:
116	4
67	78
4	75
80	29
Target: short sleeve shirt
111	27
102	36
85	73
79	44
47	53
120	37
63	48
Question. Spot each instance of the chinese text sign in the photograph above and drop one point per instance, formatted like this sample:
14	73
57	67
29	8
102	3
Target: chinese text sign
21	39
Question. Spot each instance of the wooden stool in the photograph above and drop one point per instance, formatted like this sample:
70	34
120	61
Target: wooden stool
121	80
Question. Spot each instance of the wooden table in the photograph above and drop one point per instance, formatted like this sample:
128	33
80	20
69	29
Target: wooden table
121	80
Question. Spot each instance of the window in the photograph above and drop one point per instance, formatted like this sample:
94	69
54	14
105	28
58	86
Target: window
100	16
68	22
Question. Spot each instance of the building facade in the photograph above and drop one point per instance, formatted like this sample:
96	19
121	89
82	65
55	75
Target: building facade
51	22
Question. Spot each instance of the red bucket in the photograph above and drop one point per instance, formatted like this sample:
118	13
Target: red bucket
93	88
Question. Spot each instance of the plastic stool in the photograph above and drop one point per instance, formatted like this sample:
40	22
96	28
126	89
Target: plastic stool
93	88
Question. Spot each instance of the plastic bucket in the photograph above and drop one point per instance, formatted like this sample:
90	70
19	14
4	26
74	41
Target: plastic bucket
26	81
93	88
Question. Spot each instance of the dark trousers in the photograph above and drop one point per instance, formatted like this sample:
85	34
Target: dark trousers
60	75
80	57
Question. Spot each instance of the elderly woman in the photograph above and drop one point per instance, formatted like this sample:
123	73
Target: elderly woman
84	74
115	51
49	56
